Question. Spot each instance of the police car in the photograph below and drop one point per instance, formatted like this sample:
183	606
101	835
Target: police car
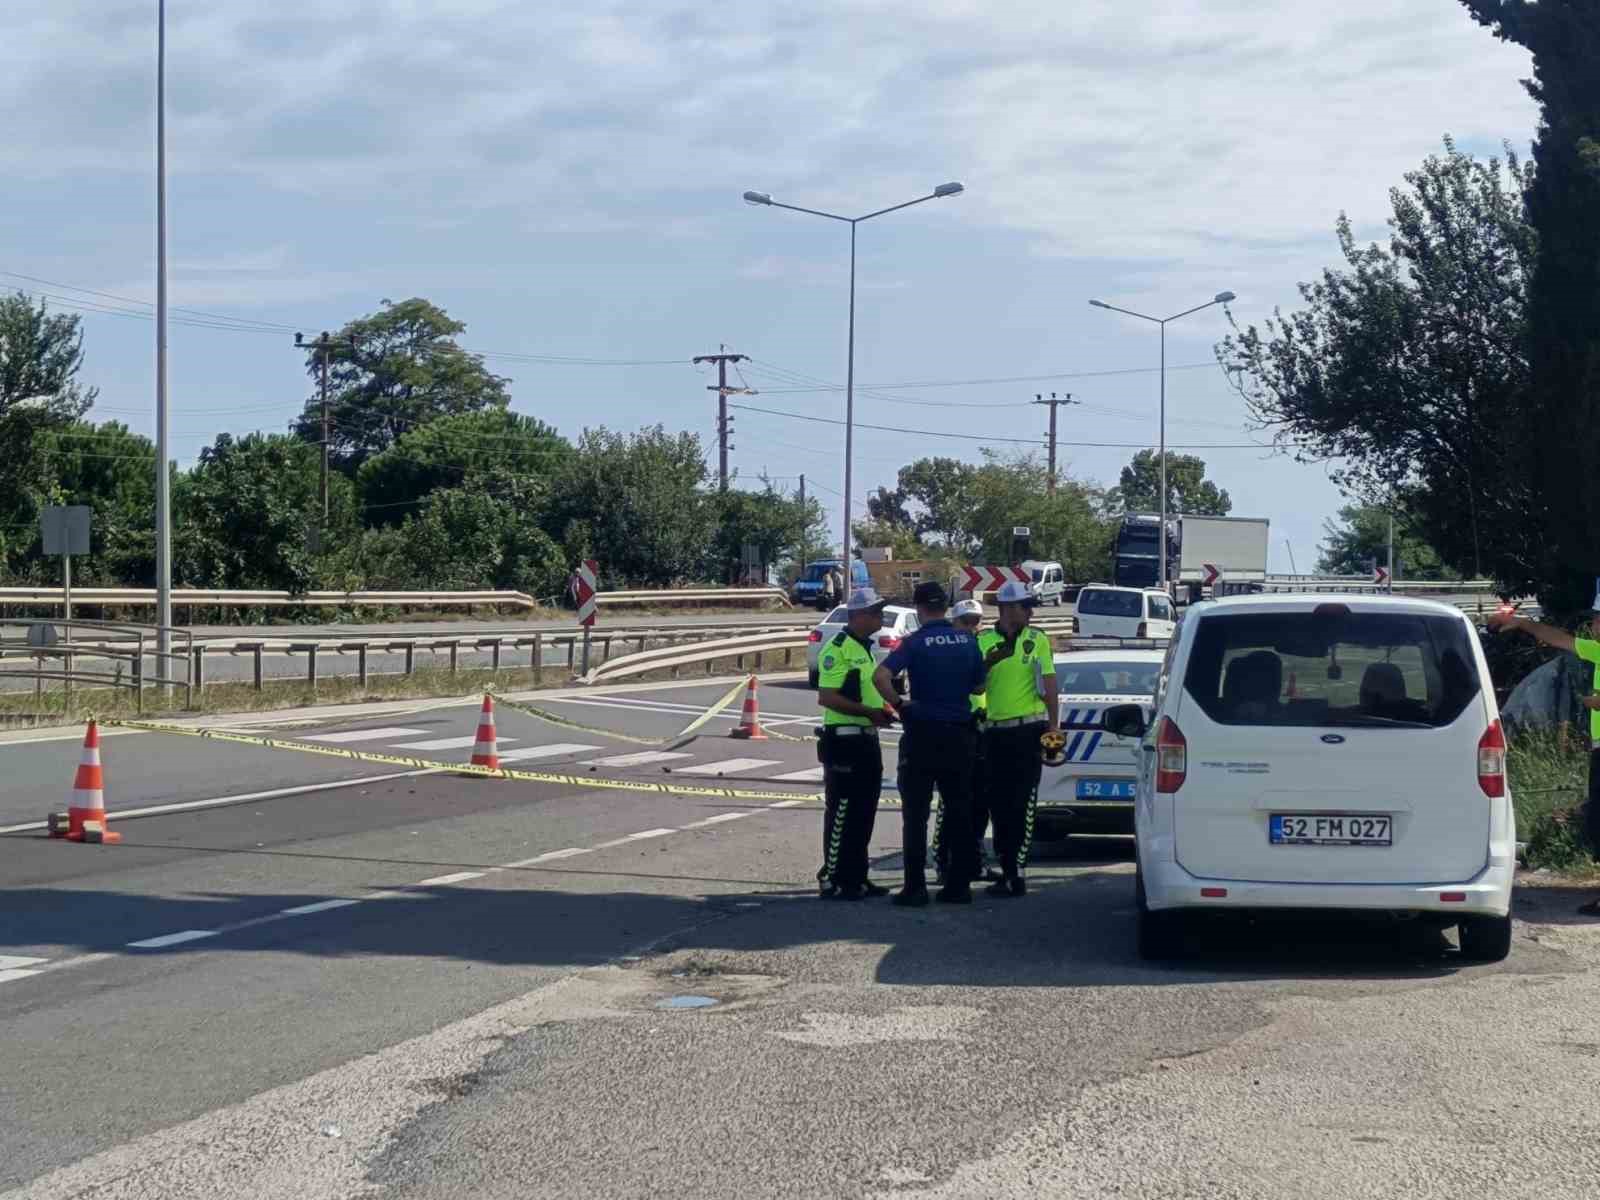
1093	791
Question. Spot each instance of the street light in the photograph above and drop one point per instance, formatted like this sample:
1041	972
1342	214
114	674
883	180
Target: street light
163	479
1219	298
765	198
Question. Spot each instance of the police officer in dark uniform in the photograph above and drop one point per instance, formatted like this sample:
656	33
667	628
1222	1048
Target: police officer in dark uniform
852	761
937	744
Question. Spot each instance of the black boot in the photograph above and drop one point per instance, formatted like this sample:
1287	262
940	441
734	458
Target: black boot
913	895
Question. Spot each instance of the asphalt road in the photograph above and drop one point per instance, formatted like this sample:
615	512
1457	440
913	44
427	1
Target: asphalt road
435	985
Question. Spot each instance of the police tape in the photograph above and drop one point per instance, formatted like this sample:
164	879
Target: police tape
682	737
426	764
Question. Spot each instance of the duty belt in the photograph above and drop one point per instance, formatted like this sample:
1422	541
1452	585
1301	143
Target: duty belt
850	730
1013	722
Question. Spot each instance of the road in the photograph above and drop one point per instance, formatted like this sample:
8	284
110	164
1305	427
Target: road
433	985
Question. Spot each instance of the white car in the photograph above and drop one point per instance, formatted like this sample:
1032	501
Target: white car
1049	581
898	622
1124	612
1094	791
1309	752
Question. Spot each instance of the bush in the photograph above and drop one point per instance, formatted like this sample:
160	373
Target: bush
1548	776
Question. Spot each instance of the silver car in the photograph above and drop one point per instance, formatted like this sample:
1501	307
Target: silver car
898	623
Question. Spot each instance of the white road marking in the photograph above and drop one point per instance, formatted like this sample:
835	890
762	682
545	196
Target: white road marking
548	856
671	707
363	735
13	962
809	775
458	877
727	766
15	974
716	820
555	751
156	810
634	837
787	804
174	939
305	910
449	743
636	760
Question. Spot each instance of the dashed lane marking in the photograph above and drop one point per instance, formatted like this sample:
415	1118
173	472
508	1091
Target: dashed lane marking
549	856
716	820
14	962
809	775
364	735
458	877
643	835
173	939
305	910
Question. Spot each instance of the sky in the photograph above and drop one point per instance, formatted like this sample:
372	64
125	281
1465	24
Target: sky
566	180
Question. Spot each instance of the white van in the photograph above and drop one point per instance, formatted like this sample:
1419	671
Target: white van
1049	581
1315	753
1122	612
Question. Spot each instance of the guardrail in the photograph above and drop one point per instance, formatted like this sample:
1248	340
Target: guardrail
692	596
254	598
675	658
125	647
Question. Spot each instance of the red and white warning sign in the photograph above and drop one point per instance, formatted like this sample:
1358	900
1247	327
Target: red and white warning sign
583	590
991	579
1380	575
1212	574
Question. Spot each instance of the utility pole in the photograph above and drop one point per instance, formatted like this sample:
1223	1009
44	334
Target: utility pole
724	421
1390	588
1054	403
322	346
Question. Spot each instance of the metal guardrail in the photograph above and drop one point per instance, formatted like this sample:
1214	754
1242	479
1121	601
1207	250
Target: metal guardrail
707	652
123	646
692	596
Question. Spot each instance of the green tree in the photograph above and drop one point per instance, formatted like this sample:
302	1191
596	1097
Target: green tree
1360	538
634	502
454	451
1069	527
942	491
390	372
776	526
40	356
901	540
1407	368
113	471
243	516
1561	545
1188	490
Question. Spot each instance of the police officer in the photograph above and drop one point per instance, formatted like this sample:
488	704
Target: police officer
944	668
1023	704
968	615
852	761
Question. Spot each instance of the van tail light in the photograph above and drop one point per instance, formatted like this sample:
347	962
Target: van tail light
889	643
1143	631
1172	756
1492	761
816	636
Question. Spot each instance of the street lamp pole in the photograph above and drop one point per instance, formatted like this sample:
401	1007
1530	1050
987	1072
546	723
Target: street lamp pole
163	477
938	193
1219	298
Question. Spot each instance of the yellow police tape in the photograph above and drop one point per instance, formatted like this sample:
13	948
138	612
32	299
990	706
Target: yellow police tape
425	764
682	737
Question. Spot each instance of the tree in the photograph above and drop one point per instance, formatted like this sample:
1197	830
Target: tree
1188	490
774	525
40	356
942	489
1069	527
1563	312
113	471
1360	539
454	451
633	501
1408	367
390	372
243	516
901	540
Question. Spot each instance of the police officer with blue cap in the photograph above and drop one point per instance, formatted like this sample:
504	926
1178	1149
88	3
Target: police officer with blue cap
945	669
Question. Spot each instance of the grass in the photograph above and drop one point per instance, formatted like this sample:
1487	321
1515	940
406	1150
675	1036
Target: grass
23	709
1548	771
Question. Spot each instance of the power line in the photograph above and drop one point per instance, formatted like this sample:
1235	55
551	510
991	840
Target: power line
823	386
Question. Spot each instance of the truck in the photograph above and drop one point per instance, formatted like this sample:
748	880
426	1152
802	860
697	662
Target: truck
812	583
1236	546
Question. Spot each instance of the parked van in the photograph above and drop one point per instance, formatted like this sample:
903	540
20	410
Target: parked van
1049	581
1107	611
1312	753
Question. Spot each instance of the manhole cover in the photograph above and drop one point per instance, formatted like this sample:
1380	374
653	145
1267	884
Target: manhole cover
687	1002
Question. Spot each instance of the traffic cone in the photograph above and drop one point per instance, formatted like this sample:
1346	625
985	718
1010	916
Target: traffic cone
86	815
484	751
750	721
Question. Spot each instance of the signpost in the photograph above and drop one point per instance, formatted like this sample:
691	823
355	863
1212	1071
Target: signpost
583	591
1380	576
990	579
64	529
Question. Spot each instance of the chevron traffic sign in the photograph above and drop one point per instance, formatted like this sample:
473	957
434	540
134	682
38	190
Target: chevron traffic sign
1380	575
991	579
1212	574
583	590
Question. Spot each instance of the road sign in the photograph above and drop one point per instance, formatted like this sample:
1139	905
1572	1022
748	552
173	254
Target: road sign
583	590
64	528
1380	575
990	579
1213	573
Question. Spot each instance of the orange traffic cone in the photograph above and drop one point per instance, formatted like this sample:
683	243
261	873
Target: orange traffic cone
86	815
484	751
750	721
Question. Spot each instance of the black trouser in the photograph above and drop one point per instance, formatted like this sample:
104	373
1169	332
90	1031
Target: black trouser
980	813
1013	766
1591	811
937	753
852	777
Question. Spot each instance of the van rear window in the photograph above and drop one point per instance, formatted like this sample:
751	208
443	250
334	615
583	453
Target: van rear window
1099	602
1381	670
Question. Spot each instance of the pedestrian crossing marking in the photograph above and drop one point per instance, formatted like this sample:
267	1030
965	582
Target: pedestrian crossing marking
727	766
365	735
637	759
809	775
556	751
448	743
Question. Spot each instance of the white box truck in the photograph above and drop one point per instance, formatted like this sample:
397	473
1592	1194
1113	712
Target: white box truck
1235	545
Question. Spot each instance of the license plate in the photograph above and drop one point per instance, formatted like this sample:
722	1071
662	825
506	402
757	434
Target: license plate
1329	829
1105	789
